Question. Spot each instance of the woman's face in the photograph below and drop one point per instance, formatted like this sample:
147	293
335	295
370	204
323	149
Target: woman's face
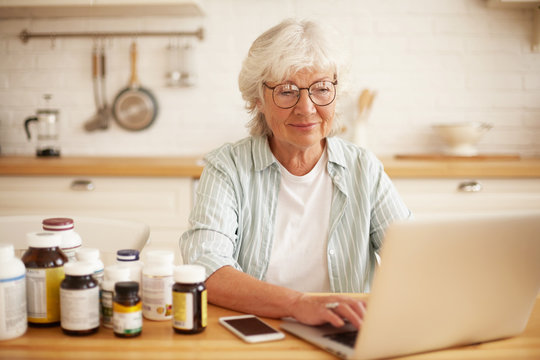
303	125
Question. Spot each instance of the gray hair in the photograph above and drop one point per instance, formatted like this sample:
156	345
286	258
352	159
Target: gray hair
280	52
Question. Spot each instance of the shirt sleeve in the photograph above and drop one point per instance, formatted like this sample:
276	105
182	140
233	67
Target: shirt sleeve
212	238
387	205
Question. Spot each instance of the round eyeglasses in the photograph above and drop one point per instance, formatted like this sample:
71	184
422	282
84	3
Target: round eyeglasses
286	96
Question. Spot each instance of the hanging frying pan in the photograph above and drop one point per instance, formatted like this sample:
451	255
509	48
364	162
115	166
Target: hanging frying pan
135	108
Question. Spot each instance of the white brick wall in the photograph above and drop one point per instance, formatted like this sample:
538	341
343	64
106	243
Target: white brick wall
429	61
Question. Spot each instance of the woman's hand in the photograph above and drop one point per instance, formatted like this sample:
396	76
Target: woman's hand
334	309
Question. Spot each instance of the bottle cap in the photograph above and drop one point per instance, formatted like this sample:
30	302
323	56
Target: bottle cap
161	257
125	288
57	224
78	268
7	251
87	254
43	239
117	273
189	274
127	255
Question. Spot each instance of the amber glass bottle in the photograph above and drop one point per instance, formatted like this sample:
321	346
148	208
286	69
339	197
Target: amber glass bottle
79	300
44	262
127	310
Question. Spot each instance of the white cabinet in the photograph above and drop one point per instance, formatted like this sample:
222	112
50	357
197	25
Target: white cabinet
440	197
162	203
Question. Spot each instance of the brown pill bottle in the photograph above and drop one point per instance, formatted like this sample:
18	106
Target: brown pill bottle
127	310
79	300
44	262
189	299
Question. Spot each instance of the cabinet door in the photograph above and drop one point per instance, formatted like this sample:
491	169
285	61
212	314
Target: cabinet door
162	203
436	197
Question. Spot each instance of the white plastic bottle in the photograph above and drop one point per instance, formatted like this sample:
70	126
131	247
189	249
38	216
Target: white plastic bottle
157	282
113	274
13	320
91	255
71	241
130	258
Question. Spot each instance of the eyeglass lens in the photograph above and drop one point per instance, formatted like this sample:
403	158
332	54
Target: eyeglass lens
287	95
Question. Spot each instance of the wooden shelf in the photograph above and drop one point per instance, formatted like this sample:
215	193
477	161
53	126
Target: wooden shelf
114	8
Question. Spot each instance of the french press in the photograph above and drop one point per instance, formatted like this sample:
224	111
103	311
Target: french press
47	131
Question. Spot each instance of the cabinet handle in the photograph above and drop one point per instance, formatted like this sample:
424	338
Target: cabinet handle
470	186
82	185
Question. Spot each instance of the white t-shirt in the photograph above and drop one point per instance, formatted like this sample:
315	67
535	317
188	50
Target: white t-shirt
299	252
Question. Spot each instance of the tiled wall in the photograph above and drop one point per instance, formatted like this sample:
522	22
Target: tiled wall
429	61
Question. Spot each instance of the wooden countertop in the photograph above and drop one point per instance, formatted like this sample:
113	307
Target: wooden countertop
159	341
192	167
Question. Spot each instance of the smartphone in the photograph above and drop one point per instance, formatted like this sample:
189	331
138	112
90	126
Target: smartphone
250	328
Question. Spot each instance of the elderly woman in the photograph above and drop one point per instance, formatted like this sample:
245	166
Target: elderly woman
291	210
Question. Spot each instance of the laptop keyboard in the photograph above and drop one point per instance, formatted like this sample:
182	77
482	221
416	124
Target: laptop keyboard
347	338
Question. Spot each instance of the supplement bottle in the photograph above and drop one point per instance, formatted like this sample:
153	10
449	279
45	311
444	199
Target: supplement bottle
91	255
113	274
189	299
13	321
44	262
71	241
79	300
157	282
127	310
130	258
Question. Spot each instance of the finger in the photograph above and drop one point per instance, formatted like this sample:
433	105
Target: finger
346	312
333	318
359	307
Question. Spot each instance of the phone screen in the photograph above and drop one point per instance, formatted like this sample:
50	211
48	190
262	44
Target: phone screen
250	326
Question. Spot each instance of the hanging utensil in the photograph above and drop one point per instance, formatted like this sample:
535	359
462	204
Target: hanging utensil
135	108
97	121
104	110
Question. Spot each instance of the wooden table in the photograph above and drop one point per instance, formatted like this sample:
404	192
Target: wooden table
159	341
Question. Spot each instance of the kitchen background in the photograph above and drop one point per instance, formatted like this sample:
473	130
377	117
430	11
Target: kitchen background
428	61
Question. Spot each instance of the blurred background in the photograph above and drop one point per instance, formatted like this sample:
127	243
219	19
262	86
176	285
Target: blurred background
423	62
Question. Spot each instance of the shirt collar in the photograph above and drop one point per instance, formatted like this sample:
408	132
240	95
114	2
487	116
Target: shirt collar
263	157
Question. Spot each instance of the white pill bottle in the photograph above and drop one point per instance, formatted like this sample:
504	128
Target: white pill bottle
13	319
157	282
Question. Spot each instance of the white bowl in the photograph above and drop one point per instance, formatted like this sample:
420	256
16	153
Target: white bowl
461	138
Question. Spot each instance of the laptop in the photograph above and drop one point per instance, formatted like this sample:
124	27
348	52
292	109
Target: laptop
443	283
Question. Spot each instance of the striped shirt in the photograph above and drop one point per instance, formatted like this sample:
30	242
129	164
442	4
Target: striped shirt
233	220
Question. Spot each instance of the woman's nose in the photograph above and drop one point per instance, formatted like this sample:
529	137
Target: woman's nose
305	105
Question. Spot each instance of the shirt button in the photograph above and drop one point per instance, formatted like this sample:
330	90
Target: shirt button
332	252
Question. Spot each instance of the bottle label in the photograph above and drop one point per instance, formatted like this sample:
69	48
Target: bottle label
12	307
183	311
43	294
127	320
157	297
204	307
79	309
107	308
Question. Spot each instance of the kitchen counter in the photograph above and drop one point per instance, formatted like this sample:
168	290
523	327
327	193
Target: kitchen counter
158	341
192	167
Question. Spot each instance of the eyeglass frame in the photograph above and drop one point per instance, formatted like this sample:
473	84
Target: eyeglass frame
335	82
